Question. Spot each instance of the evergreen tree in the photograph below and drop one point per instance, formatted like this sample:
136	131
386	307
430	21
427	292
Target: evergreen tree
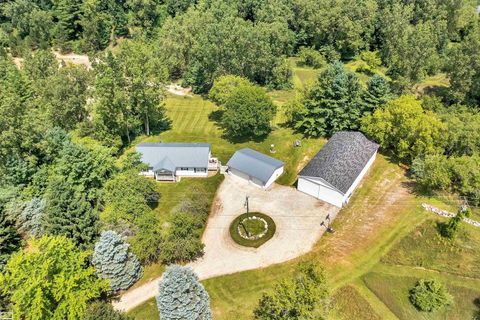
332	104
10	240
104	311
377	94
182	296
114	261
69	213
31	217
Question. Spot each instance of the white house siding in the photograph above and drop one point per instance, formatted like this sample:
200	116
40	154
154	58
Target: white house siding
148	173
364	171
190	172
277	173
320	190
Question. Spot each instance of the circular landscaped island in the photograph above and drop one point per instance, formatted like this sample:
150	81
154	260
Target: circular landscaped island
252	229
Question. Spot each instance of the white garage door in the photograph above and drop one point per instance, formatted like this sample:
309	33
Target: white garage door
308	187
246	177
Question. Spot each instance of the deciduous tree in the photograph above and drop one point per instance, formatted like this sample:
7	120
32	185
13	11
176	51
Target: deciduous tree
50	279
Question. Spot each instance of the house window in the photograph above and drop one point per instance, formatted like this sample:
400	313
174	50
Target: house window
200	170
184	169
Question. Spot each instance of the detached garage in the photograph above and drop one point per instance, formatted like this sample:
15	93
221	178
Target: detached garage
255	167
336	170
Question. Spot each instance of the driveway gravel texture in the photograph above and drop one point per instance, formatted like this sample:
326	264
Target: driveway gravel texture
297	216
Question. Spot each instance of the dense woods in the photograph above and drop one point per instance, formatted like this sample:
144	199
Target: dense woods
64	129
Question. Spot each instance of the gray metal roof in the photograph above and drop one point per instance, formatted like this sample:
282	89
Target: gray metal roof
254	164
170	156
341	160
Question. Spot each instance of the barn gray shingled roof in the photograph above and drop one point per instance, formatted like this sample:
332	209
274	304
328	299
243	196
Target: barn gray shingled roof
341	160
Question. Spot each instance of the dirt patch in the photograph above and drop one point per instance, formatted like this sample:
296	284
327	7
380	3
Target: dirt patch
178	90
365	216
77	59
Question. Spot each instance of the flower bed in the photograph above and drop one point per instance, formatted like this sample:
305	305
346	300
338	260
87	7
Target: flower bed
252	229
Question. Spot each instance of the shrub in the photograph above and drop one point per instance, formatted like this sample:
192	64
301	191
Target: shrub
311	57
451	228
114	262
104	311
303	297
31	217
182	296
429	295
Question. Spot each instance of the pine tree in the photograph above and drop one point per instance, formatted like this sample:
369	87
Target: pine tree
9	238
68	213
332	104
377	94
114	261
182	296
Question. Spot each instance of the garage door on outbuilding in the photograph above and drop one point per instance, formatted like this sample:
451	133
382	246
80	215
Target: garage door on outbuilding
337	169
255	167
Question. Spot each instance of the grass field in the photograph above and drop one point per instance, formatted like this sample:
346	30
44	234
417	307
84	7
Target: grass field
384	240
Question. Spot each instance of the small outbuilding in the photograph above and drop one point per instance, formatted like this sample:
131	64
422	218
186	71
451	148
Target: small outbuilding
255	167
337	169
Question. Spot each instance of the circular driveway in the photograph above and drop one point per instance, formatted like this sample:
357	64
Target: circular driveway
297	216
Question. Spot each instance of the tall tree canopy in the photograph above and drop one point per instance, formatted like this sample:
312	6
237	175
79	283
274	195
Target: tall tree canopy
50	279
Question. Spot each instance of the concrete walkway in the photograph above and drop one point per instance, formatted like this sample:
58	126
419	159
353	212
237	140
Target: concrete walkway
297	217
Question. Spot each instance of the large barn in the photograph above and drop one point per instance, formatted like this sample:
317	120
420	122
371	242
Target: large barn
337	169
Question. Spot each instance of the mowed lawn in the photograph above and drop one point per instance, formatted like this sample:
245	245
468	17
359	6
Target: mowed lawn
193	120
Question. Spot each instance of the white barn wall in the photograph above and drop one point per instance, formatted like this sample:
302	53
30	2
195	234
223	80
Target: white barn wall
320	190
277	173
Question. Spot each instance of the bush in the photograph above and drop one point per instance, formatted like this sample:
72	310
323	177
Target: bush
450	229
281	77
429	295
371	61
311	57
114	262
304	297
182	296
104	311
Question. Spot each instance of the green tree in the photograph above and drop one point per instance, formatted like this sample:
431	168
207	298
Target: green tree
403	126
311	57
248	112
306	296
129	93
429	295
68	213
332	104
224	86
432	172
50	279
67	14
377	94
10	239
463	68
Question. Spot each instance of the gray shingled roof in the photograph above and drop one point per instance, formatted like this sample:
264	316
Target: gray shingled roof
174	155
341	160
254	164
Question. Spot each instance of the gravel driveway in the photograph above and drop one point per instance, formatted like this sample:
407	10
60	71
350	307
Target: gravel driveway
296	215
